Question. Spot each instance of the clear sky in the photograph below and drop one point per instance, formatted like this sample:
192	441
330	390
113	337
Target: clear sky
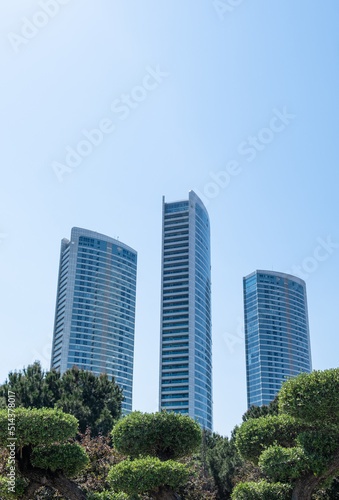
236	99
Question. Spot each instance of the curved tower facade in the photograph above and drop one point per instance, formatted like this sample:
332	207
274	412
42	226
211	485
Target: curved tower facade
186	344
95	308
276	333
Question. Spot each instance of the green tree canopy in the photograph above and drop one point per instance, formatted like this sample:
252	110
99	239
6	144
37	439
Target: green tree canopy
92	479
262	491
94	400
262	411
39	454
300	446
163	435
313	397
35	426
255	435
147	474
223	459
156	439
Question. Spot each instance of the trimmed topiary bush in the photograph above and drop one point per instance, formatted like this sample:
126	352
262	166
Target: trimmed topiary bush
167	436
147	474
262	491
312	397
67	457
33	427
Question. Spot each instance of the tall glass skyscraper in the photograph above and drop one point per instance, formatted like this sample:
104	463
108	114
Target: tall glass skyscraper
186	344
95	308
276	333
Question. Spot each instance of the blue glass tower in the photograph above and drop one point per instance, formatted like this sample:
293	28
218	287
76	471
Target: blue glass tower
95	308
276	333
186	344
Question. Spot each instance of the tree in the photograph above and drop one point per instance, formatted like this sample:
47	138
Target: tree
262	411
94	400
262	491
297	449
328	491
39	455
246	471
223	460
92	479
159	439
200	484
149	475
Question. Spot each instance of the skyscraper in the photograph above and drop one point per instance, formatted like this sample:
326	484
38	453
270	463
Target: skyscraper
276	333
186	344
95	308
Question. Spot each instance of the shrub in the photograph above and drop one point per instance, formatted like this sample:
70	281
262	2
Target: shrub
262	491
146	474
167	436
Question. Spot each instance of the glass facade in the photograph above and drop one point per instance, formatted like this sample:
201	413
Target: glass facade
186	344
276	333
95	308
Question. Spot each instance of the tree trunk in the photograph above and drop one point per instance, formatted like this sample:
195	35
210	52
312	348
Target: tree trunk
66	487
30	490
306	485
44	477
164	493
54	480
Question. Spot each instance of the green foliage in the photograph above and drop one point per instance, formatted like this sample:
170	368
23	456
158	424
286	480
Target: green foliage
67	457
163	435
101	457
146	474
328	491
200	485
32	387
223	459
303	440
257	434
94	400
284	464
166	436
262	411
5	492
107	495
92	478
313	397
247	472
262	491
34	426
320	447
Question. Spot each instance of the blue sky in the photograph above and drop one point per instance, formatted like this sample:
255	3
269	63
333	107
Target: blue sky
242	107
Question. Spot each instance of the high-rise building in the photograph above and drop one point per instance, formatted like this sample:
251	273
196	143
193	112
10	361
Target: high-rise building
276	333
186	344
95	308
